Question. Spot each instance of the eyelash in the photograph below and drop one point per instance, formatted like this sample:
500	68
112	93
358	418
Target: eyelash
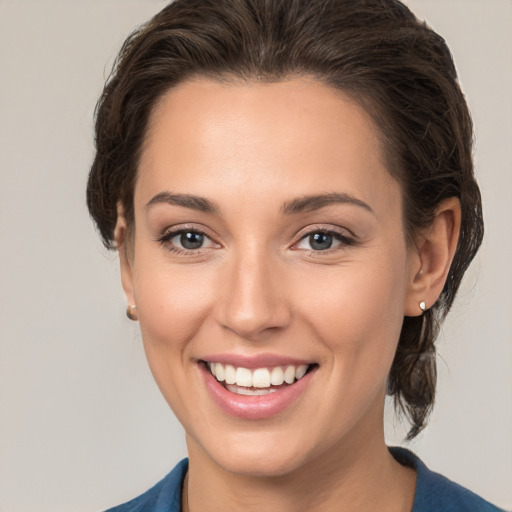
165	241
342	237
345	240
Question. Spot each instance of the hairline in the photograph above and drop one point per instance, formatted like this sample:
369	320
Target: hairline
363	101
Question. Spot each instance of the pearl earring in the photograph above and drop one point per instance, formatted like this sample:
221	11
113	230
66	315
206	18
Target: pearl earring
423	306
131	313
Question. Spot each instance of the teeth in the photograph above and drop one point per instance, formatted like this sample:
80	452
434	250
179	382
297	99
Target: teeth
261	378
277	376
240	390
238	380
243	377
301	371
230	374
219	372
289	374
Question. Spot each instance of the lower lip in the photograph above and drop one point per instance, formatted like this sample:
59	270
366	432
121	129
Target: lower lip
257	407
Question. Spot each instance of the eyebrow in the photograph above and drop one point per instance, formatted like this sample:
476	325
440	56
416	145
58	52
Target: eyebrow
186	200
315	202
300	205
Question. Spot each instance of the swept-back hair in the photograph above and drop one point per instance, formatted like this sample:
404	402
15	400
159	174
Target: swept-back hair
375	51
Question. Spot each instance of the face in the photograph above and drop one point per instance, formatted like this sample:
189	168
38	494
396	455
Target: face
269	249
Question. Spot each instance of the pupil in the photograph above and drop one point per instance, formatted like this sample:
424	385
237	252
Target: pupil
191	240
320	241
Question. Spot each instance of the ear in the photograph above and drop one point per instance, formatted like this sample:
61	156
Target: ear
125	255
432	257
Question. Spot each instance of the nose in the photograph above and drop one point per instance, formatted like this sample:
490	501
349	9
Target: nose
253	303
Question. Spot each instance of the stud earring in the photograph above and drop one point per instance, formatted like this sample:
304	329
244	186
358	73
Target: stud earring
131	313
423	306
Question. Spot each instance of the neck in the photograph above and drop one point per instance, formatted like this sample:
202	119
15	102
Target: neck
360	475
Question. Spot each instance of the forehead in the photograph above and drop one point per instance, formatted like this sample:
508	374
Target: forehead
287	138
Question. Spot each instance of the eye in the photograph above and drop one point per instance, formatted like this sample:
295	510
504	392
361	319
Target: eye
185	240
188	240
323	240
320	241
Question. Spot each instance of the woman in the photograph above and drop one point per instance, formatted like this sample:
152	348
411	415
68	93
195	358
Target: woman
290	188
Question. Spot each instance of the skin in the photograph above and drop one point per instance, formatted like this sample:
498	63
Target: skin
258	286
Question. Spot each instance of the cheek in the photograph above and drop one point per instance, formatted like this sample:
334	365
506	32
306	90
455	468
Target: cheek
173	306
359	311
360	291
172	303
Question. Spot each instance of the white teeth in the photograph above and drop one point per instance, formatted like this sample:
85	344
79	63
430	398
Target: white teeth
243	377
248	391
219	372
289	374
301	371
230	374
277	376
261	378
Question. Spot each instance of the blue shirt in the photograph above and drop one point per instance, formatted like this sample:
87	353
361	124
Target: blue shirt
434	492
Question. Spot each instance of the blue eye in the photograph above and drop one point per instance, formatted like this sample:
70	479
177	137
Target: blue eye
323	240
189	239
320	241
184	240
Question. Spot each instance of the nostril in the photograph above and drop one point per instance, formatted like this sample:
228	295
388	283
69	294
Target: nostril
251	304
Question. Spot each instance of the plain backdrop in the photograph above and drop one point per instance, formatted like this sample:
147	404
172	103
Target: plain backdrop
82	425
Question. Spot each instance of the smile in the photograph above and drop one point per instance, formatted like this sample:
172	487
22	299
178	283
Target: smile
258	381
257	387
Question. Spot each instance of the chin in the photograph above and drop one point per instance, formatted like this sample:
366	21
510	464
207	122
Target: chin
265	456
262	465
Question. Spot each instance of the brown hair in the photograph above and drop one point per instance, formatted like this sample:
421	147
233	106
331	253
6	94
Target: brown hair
376	52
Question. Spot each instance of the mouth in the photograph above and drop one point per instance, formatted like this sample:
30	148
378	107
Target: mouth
257	381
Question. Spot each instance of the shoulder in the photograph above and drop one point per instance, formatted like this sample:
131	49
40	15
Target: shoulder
436	492
165	496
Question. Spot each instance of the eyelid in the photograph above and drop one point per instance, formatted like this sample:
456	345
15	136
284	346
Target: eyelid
342	235
172	231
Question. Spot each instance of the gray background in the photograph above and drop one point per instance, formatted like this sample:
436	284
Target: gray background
82	425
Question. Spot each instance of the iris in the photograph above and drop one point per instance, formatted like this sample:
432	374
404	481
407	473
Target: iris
320	241
191	240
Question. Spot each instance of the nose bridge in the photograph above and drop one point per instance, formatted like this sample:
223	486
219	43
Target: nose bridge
252	299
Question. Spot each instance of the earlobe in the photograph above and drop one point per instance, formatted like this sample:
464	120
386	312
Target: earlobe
125	261
434	252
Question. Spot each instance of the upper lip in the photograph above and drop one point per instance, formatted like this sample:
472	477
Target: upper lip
255	361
